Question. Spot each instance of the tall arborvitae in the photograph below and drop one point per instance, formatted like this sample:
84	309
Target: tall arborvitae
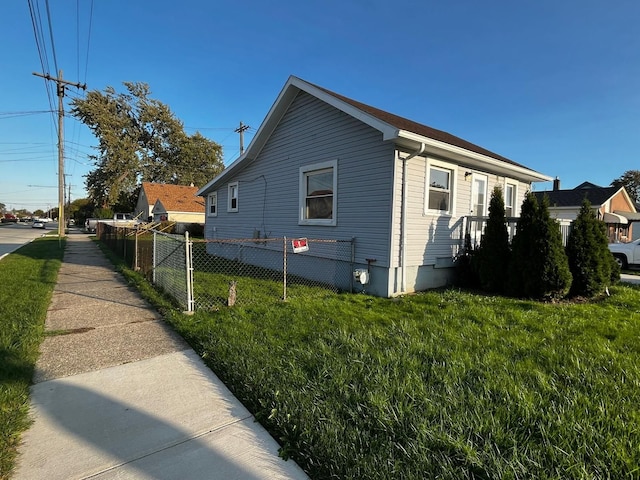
589	255
493	255
522	246
539	266
555	280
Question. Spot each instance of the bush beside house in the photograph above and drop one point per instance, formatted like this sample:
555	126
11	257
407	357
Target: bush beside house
536	264
539	266
590	261
493	255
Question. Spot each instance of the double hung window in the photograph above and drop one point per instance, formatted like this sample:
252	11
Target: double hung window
232	197
318	185
212	204
440	181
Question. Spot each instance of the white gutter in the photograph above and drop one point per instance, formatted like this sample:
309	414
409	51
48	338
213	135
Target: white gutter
429	142
403	218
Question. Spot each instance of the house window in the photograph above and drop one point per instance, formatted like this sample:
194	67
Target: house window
318	193
510	191
439	188
232	197
212	204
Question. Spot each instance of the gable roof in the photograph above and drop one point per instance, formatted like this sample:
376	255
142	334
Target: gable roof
406	133
596	195
405	124
174	198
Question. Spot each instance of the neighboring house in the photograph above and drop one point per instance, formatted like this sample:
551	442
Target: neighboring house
165	202
324	166
611	204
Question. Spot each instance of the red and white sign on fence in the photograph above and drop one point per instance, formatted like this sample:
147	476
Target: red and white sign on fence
299	245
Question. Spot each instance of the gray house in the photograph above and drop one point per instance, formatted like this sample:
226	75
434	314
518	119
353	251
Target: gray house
324	166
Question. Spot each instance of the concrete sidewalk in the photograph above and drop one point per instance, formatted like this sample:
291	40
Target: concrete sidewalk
117	394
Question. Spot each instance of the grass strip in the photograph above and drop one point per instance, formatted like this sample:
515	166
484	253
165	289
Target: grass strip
28	277
443	384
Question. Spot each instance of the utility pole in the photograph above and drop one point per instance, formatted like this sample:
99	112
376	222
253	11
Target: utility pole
241	129
60	83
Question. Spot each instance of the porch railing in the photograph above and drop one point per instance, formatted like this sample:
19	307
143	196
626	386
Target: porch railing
474	228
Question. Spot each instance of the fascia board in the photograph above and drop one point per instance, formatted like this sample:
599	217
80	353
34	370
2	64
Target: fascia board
463	154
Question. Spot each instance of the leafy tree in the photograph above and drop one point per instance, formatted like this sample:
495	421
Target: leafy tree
140	139
539	267
81	209
630	180
590	260
493	255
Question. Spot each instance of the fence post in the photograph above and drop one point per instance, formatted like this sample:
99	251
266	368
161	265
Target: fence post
189	272
154	254
135	259
353	260
284	270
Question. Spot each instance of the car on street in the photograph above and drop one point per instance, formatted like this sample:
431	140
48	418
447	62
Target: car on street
38	224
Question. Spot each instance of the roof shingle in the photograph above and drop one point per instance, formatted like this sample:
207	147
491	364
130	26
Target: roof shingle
174	198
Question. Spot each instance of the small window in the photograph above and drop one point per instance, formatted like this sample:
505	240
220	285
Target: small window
212	204
439	188
232	197
318	184
510	199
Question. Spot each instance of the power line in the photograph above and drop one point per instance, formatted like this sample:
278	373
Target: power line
40	46
86	62
53	46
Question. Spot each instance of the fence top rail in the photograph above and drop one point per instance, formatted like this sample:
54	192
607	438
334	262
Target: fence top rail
265	240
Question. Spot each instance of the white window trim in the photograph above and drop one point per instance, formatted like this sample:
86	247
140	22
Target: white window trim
229	187
514	184
331	222
452	188
214	196
484	177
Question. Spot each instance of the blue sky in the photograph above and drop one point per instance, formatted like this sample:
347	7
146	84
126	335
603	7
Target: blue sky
554	85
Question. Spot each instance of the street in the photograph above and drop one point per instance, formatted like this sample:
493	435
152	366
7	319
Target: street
14	235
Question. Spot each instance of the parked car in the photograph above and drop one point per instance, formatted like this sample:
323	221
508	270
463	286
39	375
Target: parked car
9	218
626	254
119	220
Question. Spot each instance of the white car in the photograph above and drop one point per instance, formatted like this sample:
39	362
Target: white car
38	224
626	254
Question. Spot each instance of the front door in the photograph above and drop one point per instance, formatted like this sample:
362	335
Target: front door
478	205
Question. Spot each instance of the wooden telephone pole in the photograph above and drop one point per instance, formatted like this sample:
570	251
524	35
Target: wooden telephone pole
60	83
241	129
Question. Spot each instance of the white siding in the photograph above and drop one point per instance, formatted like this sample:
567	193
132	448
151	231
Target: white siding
311	132
433	240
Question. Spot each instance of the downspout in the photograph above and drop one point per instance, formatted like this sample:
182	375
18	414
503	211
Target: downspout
403	218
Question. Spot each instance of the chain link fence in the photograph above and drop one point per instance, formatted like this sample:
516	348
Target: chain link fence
209	274
244	271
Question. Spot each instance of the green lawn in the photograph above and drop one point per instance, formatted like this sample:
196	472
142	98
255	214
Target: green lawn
27	278
437	385
444	384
